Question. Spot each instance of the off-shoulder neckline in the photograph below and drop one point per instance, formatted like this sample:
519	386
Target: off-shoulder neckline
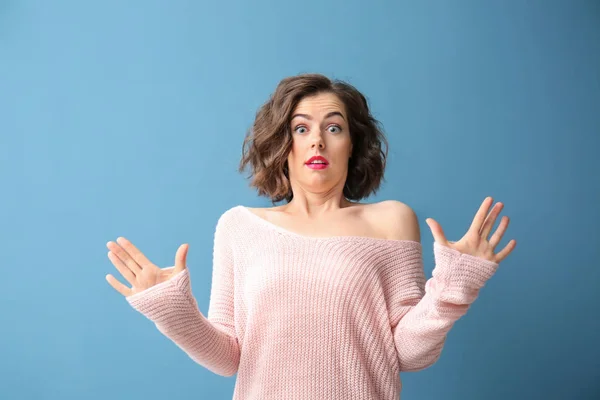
280	229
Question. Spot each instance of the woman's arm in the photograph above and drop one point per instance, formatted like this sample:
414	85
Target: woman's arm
211	342
424	314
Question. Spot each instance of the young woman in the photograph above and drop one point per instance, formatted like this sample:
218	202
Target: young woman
322	297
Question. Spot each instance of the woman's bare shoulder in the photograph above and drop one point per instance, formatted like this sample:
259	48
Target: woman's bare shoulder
384	206
398	218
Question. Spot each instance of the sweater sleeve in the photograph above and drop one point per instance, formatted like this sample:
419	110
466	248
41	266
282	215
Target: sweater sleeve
424	311
210	341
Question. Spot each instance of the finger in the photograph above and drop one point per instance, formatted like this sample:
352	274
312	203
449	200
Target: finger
490	220
134	252
497	236
506	251
180	258
122	268
118	286
436	231
124	257
479	218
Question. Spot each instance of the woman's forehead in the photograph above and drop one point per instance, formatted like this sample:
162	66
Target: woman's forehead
323	104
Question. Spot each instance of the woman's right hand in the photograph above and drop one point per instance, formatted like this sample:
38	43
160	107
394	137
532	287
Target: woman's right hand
137	269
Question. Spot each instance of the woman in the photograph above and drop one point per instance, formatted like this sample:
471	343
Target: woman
322	297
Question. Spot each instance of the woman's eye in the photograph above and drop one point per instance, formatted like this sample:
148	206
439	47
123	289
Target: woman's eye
336	127
298	128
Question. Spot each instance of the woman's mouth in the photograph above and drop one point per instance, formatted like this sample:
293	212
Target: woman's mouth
316	165
317	162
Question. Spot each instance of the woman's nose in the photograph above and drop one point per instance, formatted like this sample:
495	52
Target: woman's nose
318	141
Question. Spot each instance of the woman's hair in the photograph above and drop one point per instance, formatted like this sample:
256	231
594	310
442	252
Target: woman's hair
269	141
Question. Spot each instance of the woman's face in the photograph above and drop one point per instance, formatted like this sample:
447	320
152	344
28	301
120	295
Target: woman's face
319	127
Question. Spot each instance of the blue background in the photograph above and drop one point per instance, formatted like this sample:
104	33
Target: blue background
127	119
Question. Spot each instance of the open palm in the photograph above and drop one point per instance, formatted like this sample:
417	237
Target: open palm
137	269
475	241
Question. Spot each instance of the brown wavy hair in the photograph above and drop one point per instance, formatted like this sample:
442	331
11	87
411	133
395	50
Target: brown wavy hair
269	140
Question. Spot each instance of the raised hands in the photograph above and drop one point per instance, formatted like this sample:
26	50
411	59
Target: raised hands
137	269
475	241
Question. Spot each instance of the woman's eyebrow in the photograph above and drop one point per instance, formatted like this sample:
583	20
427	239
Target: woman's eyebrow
331	114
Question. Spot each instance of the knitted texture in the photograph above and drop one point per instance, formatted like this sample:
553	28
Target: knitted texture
313	318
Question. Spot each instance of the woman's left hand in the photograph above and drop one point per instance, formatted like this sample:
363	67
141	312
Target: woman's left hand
475	241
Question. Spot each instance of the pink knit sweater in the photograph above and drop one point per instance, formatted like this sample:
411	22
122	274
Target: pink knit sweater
314	318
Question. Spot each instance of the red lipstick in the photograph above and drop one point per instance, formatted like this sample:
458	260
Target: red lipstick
317	162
